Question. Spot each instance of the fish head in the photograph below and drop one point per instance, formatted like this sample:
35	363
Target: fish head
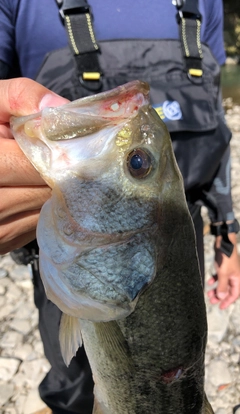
109	161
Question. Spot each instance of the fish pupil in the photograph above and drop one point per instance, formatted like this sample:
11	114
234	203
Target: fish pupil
136	162
139	163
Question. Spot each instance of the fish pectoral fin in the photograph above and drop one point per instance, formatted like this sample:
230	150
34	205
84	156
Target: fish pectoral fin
70	337
207	406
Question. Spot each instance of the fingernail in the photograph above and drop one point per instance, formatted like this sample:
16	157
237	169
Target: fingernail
52	100
221	295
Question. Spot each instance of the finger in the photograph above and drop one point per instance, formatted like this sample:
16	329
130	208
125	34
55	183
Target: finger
16	231
15	200
212	280
15	169
212	297
211	293
222	288
22	96
233	293
18	242
228	301
5	131
214	300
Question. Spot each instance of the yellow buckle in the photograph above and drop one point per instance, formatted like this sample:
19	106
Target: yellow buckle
91	75
195	72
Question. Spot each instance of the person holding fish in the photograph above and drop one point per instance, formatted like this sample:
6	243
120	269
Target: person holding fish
26	29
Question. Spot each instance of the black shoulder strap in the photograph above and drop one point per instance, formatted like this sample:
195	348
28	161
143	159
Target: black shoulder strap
189	20
76	15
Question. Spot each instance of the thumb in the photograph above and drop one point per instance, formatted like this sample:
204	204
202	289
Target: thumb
22	96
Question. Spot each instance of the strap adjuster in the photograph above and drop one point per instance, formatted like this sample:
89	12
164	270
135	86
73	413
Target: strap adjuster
186	9
92	81
71	7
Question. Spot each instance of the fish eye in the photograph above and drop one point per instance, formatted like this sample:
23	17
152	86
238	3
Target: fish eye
139	163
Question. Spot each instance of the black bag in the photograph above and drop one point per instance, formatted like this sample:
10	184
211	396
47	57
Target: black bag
184	86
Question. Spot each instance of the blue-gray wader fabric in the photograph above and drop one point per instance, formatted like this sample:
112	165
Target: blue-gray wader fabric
159	62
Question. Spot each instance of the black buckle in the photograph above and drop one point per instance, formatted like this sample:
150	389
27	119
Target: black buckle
186	9
177	3
72	7
184	14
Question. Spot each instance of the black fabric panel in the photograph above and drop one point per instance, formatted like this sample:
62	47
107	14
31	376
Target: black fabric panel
4	70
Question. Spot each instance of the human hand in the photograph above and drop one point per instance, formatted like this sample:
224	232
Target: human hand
227	275
22	190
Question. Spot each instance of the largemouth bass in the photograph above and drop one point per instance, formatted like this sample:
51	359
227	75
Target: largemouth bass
117	251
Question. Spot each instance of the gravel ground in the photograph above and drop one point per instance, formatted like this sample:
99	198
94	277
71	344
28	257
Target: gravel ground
22	362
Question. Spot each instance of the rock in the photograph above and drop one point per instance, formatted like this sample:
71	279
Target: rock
236	343
218	373
20	273
6	391
10	410
14	293
24	352
11	339
210	390
38	347
235	317
218	321
21	325
7	262
24	312
34	371
2	301
8	367
3	273
235	358
33	403
25	284
6	282
5	311
221	411
20	402
20	382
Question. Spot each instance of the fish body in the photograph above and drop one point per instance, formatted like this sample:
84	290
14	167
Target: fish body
117	251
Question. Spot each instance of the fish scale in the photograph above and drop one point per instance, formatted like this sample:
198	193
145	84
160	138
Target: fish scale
118	252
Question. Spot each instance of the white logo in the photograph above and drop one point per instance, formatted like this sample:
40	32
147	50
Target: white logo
172	110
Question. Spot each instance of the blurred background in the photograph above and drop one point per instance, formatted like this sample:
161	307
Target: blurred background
231	71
